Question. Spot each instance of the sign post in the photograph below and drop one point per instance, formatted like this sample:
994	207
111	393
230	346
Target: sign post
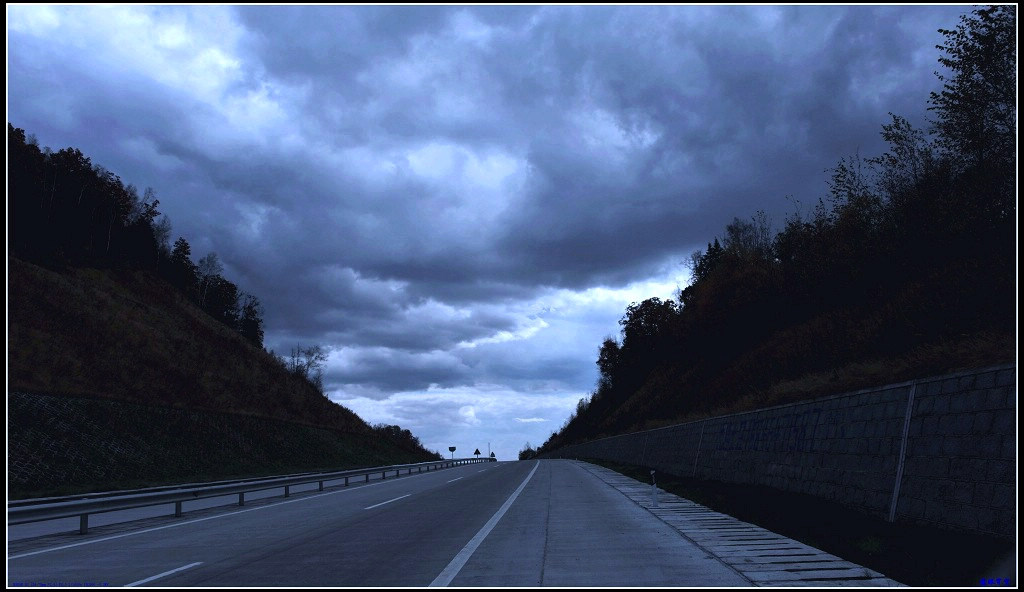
452	450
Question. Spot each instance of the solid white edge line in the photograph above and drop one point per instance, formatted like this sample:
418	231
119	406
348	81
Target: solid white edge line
387	502
160	575
456	565
187	522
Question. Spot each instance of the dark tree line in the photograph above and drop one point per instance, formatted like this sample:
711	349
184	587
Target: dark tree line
402	438
933	218
65	211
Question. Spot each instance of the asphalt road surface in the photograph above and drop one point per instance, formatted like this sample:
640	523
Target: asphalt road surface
532	523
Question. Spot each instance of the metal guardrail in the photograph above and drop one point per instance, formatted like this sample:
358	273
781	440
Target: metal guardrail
120	492
20	512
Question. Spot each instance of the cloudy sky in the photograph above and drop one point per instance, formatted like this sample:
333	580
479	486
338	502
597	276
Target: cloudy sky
460	202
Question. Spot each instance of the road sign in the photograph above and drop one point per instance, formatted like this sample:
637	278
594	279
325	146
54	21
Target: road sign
477	452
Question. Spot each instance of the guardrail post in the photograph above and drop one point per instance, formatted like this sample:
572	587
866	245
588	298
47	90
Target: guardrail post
367	477
177	509
83	524
346	481
383	475
321	486
287	490
241	499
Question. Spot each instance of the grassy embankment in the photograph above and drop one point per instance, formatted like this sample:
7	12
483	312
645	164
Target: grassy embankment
154	391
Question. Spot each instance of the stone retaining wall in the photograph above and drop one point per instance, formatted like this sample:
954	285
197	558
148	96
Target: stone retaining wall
938	451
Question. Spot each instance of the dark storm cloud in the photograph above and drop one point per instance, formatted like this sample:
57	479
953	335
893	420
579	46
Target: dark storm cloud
753	123
390	370
399	183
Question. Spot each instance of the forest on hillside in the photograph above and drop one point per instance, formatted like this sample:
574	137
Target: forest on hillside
67	215
910	257
65	211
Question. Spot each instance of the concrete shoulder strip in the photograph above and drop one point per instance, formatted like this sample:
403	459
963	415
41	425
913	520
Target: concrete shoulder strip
762	556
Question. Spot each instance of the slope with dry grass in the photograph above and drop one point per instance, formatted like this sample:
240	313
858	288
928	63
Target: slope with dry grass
127	335
197	400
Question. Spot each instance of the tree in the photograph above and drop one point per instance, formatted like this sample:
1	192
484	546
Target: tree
977	107
749	240
162	235
222	301
183	273
646	323
608	359
910	159
702	264
209	267
250	323
144	208
308	363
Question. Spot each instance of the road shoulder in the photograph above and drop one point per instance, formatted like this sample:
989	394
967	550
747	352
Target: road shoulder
762	556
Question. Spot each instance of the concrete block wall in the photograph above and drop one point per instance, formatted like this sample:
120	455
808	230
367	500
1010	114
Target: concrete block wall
949	462
961	457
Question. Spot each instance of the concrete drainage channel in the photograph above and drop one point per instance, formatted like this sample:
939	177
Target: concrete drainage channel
762	556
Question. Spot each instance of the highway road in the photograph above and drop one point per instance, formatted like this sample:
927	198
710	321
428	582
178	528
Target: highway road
529	523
